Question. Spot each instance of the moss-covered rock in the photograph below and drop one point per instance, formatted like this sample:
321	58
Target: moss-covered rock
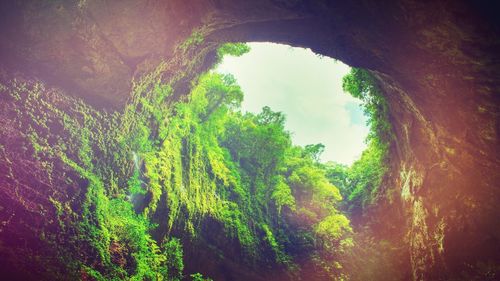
78	93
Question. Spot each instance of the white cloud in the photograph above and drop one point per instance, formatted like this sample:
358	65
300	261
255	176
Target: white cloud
308	89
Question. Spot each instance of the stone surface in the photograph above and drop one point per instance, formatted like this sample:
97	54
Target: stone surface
437	61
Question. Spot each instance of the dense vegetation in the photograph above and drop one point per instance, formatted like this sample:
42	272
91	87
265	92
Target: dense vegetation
251	180
153	177
359	184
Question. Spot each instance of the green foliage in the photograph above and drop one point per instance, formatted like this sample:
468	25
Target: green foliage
236	222
365	177
280	256
220	93
98	235
174	254
360	183
199	277
232	49
331	230
190	166
314	151
195	161
337	174
311	178
195	39
128	228
362	84
242	170
282	195
135	184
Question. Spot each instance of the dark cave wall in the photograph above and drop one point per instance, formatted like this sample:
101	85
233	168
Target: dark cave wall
437	62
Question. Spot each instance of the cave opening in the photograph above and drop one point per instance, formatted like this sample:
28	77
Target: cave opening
94	107
307	88
334	192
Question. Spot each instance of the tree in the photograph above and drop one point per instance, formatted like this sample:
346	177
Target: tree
361	185
314	151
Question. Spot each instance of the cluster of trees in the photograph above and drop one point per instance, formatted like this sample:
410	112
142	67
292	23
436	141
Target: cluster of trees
359	184
243	171
157	173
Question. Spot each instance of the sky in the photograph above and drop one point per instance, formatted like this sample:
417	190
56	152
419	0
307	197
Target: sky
307	88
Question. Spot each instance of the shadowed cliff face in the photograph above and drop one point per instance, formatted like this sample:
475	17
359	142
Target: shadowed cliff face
438	64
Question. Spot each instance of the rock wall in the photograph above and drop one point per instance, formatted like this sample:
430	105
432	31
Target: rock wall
437	61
